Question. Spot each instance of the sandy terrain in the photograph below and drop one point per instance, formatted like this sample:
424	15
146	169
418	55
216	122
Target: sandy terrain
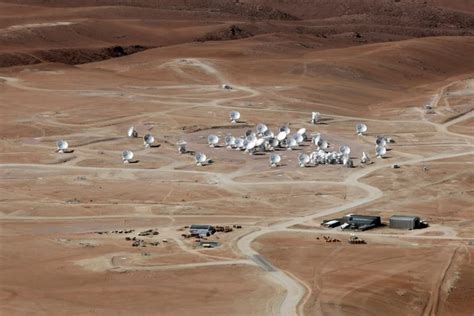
86	72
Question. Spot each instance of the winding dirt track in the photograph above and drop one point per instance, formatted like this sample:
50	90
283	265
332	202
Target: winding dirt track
295	290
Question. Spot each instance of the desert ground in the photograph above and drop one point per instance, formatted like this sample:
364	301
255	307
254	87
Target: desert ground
87	71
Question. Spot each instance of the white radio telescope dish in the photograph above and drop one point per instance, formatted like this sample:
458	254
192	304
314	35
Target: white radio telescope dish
323	144
212	140
281	135
285	129
274	160
303	159
148	139
365	158
298	138
234	116
292	143
261	128
380	151
315	139
229	141
182	147
301	131
380	141
315	117
239	143
259	141
200	159
62	146
132	132
127	156
344	149
361	128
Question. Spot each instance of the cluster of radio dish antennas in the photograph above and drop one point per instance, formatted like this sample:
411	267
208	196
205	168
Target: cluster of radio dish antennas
322	157
62	146
132	132
127	156
201	159
361	128
234	116
315	117
380	145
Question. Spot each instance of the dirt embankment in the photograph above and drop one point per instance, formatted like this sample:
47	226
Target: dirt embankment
70	56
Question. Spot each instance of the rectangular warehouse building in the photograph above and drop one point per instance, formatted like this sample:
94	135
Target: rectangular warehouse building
362	222
404	222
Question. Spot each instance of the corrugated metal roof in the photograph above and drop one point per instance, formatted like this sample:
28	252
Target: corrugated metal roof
405	217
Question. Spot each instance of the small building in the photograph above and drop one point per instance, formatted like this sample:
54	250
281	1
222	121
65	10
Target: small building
405	222
361	222
201	230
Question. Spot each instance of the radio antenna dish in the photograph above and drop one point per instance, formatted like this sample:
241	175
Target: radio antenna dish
127	156
62	146
380	141
148	139
182	147
132	132
345	150
261	129
361	128
200	159
380	151
212	140
315	117
303	160
234	116
275	160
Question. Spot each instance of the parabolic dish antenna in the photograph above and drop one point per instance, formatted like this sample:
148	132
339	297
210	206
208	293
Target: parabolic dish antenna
301	131
281	135
268	133
285	129
212	140
365	158
316	139
182	147
303	159
239	143
249	145
380	151
234	116
274	160
251	138
62	145
148	139
229	140
344	149
259	142
132	132
127	156
292	143
322	143
274	142
200	159
298	138
380	141
315	116
361	128
261	128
